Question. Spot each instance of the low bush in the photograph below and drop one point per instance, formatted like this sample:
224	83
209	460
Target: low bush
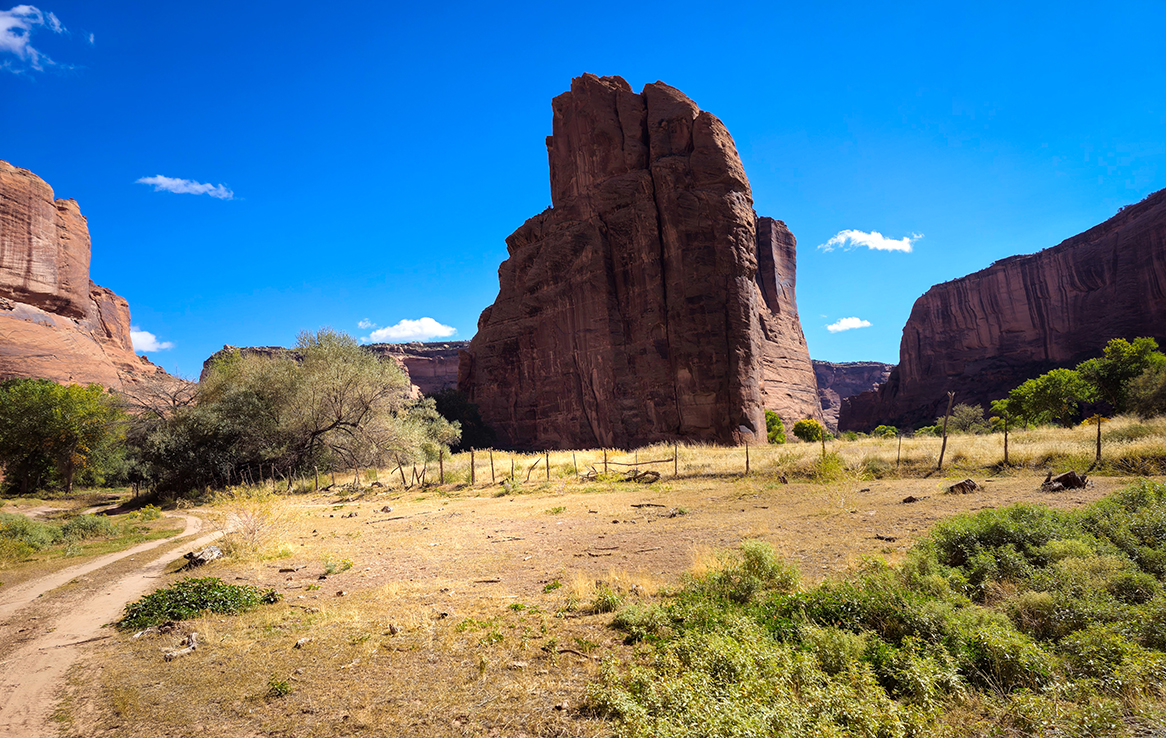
1056	620
190	598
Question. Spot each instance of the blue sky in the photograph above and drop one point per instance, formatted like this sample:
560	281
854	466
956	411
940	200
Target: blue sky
365	161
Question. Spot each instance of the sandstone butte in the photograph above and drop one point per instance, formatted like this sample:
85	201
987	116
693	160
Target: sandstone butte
649	303
54	322
982	335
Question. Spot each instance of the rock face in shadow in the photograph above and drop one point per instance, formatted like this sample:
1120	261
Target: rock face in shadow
54	322
839	381
984	334
633	310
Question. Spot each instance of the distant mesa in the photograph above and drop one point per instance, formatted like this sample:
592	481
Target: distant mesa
650	302
984	334
838	381
55	323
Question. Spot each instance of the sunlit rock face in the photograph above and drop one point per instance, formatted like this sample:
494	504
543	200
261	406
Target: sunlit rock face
54	322
983	334
649	303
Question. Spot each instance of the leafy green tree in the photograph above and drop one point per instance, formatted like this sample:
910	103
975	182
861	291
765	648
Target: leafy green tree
885	431
1109	375
52	433
1055	396
809	430
774	428
965	419
1147	392
328	405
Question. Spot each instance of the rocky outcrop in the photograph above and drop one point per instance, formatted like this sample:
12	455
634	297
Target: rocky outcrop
838	381
432	367
54	322
983	334
634	309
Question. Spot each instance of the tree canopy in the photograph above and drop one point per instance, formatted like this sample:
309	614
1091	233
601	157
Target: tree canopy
49	433
331	405
1110	374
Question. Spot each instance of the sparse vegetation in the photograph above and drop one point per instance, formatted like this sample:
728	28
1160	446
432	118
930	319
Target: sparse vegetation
993	610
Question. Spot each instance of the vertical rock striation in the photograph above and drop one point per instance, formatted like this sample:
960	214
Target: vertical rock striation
54	322
630	311
983	334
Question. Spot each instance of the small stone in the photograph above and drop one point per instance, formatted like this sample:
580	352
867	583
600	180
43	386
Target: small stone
300	644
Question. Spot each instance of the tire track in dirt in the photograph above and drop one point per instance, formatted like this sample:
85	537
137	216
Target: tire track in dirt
34	672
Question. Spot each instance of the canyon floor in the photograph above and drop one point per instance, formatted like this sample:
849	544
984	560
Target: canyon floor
448	611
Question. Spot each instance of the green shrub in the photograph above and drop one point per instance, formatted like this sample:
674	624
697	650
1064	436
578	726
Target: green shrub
606	600
885	431
641	622
774	429
191	597
809	430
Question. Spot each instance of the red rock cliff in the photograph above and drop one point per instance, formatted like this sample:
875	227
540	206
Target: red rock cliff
983	334
630	311
54	322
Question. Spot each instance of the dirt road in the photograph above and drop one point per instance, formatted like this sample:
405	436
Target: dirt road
39	643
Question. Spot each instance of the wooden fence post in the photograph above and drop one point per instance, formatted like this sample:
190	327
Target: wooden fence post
675	459
491	465
746	458
441	466
547	458
574	464
472	467
943	447
605	462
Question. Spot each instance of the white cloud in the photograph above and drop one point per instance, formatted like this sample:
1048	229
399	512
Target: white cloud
92	39
187	187
16	28
146	341
366	324
846	324
873	240
410	330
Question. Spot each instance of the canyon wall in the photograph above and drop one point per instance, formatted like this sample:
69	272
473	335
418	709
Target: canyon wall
839	381
984	334
54	322
634	310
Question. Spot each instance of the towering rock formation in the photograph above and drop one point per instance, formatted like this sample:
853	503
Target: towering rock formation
983	334
837	382
54	322
634	310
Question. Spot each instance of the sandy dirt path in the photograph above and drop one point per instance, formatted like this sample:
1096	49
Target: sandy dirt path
32	673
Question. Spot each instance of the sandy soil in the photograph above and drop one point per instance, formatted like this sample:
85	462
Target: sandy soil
431	561
45	622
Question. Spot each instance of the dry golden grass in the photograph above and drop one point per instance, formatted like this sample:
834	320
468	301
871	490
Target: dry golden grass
469	610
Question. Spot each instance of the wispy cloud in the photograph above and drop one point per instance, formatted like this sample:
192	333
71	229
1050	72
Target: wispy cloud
873	240
847	324
146	341
16	28
407	330
187	187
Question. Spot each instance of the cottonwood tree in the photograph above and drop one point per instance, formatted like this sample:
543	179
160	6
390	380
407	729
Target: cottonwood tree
51	432
329	404
1110	374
